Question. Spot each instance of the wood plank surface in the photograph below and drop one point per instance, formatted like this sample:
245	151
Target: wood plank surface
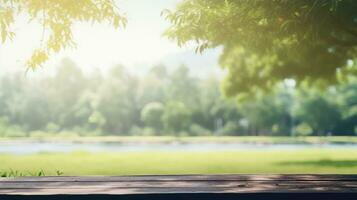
179	184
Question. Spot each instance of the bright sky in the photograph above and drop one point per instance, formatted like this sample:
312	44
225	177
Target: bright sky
139	46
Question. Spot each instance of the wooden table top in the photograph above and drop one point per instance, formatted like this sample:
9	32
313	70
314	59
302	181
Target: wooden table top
172	184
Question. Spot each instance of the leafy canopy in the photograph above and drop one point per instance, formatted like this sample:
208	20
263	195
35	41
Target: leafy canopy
266	41
56	18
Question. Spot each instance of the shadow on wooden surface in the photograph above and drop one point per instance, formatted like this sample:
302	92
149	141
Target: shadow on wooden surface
245	187
190	196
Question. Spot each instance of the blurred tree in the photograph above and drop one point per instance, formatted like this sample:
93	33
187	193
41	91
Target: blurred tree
347	101
33	109
268	41
9	87
86	112
176	117
208	98
152	86
56	18
152	114
4	125
266	115
70	102
63	92
159	71
118	102
182	87
318	111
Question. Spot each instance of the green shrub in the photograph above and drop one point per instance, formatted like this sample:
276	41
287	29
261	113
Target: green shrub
232	128
68	134
303	129
41	134
4	124
197	130
15	131
52	127
147	131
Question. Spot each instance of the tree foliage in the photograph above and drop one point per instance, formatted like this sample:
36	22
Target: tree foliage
122	103
265	42
321	113
152	114
57	18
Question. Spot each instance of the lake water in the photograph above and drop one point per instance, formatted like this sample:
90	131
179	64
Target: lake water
61	147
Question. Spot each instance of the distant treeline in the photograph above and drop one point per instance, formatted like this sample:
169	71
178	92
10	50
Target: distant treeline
164	102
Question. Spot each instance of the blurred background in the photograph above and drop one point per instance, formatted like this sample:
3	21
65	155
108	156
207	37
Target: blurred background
131	101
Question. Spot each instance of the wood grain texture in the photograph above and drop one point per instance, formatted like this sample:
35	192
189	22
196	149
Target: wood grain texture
180	184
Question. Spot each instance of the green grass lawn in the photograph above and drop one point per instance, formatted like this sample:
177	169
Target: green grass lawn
336	161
